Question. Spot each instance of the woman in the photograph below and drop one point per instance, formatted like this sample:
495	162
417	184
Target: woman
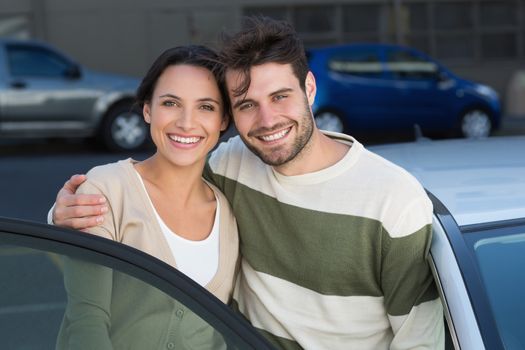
164	207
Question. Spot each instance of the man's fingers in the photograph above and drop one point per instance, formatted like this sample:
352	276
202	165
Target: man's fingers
64	213
78	211
82	223
66	200
72	184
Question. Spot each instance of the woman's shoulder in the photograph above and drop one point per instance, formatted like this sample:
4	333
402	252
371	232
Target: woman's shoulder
110	171
111	177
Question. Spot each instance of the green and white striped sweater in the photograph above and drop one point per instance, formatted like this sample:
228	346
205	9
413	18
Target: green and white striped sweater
334	259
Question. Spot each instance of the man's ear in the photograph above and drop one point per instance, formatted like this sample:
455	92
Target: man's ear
310	88
146	112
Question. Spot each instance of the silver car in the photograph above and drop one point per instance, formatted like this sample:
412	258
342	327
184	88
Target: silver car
45	94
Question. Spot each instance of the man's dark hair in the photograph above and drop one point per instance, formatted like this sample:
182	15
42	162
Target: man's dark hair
263	40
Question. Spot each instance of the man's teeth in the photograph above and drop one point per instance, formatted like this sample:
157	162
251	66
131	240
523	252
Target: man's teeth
184	139
276	136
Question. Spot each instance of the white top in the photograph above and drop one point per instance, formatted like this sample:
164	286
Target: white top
198	260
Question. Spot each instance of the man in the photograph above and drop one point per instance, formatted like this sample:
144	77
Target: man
334	238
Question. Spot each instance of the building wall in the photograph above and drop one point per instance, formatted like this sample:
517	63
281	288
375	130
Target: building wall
482	40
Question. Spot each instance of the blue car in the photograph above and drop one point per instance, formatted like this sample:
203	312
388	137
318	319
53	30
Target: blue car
379	87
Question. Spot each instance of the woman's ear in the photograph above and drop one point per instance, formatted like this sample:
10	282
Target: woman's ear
146	112
225	122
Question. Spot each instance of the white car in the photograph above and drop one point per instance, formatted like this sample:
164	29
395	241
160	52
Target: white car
478	247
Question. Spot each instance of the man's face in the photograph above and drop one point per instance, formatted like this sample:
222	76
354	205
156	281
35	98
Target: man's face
274	117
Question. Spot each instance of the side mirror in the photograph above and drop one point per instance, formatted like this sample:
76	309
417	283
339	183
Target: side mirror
73	72
441	76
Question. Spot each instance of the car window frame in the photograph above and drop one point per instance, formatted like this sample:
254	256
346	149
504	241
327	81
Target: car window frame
471	276
135	263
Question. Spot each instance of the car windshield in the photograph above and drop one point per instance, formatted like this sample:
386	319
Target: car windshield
500	254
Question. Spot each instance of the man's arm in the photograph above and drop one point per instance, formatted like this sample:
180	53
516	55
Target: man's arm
411	298
77	211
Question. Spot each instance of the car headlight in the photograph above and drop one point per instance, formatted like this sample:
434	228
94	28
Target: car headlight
487	91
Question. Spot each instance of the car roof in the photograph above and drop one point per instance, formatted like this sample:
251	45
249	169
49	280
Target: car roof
479	181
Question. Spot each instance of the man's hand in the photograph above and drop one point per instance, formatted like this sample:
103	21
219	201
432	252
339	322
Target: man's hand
78	211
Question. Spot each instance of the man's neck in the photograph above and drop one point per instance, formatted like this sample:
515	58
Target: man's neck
319	153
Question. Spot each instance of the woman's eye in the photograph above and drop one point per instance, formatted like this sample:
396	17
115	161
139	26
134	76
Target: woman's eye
169	103
208	108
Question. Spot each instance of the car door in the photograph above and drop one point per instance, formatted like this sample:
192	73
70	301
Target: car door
419	93
34	259
44	93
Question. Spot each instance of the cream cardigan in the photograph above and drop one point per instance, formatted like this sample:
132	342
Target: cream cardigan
131	220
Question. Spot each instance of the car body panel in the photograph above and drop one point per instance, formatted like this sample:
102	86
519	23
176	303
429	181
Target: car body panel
477	180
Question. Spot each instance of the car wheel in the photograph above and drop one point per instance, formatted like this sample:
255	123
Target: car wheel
124	129
329	121
476	123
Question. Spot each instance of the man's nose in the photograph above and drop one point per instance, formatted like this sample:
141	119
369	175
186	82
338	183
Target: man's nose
266	115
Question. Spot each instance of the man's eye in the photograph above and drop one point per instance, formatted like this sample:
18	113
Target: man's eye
245	106
280	97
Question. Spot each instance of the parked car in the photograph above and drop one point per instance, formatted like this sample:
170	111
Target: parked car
478	247
366	88
45	94
477	255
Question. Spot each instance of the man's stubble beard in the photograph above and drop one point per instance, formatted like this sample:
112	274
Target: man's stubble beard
273	157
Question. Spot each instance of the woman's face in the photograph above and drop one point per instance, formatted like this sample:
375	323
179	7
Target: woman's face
185	114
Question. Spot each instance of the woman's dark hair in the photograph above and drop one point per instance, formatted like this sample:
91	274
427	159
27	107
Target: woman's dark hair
194	55
263	40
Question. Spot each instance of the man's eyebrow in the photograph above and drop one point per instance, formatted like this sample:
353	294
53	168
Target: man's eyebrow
280	91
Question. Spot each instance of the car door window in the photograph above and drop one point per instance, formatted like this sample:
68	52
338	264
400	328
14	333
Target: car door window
27	61
407	65
358	62
67	295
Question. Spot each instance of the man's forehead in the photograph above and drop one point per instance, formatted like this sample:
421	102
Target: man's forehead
270	71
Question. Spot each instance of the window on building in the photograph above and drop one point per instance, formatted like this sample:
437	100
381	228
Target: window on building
499	29
368	22
276	12
452	30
